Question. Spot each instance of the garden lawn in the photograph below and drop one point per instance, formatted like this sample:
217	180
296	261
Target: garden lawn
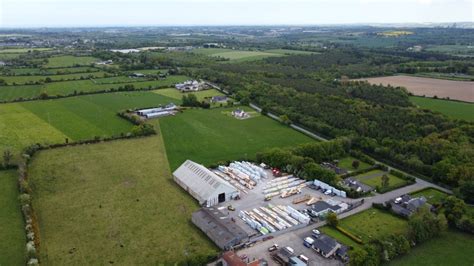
433	195
210	136
346	163
69	61
453	109
113	202
374	223
9	93
12	234
374	179
451	248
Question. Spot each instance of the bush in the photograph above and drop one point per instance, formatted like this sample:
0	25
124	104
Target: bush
349	234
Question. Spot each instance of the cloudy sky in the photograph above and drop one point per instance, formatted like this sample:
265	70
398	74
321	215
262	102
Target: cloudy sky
57	13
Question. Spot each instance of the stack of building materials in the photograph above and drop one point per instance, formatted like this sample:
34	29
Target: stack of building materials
241	178
301	199
248	169
273	214
285	183
282	212
313	200
297	215
325	186
235	182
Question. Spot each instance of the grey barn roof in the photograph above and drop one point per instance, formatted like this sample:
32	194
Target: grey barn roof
201	182
218	227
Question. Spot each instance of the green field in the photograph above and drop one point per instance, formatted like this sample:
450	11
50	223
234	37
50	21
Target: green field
48	71
209	136
10	80
201	95
69	61
451	248
76	118
346	163
289	52
433	195
22	50
461	50
374	178
236	55
12	234
453	109
8	93
113	202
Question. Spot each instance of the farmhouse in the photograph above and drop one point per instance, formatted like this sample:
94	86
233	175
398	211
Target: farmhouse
230	258
326	246
356	185
219	228
406	205
322	208
137	75
219	99
203	184
191	85
240	114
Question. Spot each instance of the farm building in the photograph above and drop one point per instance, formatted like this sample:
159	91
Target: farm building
219	228
158	111
322	208
137	75
191	85
203	184
406	205
240	114
219	99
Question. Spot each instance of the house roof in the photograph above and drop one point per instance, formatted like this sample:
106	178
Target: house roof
325	243
201	181
415	203
322	206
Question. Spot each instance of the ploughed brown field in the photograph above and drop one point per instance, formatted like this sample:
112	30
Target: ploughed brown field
456	90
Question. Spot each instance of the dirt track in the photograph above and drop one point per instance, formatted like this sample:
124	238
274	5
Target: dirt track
457	90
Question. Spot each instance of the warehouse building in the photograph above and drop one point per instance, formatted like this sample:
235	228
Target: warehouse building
205	186
219	228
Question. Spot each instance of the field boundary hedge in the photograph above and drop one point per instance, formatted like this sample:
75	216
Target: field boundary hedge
349	235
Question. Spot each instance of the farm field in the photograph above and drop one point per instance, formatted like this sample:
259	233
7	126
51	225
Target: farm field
201	95
48	71
346	163
9	93
453	109
97	209
210	136
461	50
374	179
433	195
236	55
289	52
12	233
69	61
76	118
458	90
374	223
451	248
10	80
22	50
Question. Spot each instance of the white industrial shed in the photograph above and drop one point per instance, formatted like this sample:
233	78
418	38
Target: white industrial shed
205	186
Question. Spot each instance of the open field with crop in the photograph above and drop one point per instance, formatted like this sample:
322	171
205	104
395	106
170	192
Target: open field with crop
69	61
12	235
451	248
461	50
374	179
209	136
76	118
441	88
69	87
453	109
288	52
113	202
346	163
10	80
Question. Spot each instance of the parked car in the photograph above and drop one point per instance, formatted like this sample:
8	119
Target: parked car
273	248
303	258
308	242
290	250
231	208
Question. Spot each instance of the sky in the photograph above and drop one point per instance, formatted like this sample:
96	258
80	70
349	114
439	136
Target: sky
77	13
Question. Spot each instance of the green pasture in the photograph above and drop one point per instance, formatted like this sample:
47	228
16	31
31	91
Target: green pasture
453	109
70	61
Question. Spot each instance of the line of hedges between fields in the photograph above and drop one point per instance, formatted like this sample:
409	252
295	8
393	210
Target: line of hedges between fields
349	235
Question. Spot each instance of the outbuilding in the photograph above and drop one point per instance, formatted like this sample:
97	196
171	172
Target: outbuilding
204	185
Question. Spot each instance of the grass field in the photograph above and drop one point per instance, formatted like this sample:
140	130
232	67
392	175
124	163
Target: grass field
209	136
69	61
452	248
433	195
288	52
201	95
461	50
69	87
48	71
115	203
10	80
346	163
12	234
453	109
22	50
374	179
374	223
76	118
236	55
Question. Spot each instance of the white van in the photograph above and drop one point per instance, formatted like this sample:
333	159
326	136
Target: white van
303	258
